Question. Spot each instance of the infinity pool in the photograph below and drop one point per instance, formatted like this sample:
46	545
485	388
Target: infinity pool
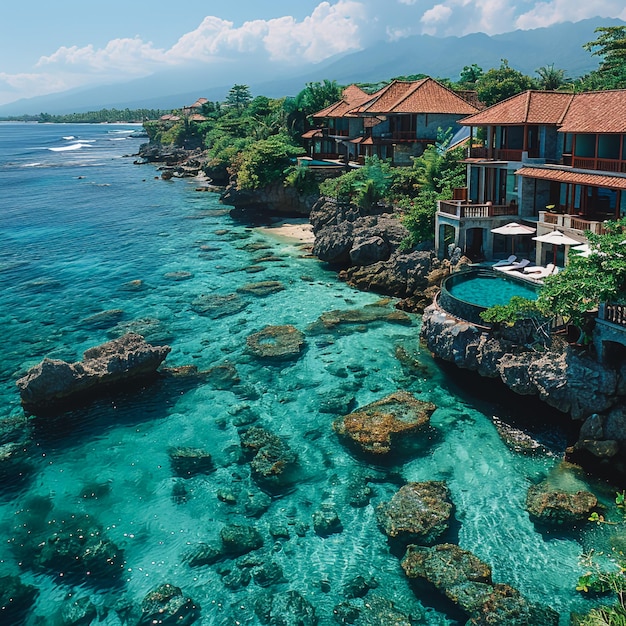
487	288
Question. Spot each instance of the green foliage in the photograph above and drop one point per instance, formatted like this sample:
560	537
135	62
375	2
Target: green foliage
302	178
365	185
551	78
587	281
265	161
470	76
597	579
419	220
497	84
238	97
517	309
611	46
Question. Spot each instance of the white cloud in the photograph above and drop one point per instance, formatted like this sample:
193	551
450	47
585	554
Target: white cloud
548	13
431	19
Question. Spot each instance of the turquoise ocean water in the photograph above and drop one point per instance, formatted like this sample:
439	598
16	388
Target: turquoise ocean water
78	223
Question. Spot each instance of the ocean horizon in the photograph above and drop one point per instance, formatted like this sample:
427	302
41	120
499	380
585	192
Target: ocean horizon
95	246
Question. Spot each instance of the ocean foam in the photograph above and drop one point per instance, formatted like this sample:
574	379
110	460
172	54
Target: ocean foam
73	146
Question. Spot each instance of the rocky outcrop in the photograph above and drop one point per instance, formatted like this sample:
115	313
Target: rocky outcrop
175	161
167	605
366	243
53	382
560	377
417	513
275	198
466	580
554	507
379	427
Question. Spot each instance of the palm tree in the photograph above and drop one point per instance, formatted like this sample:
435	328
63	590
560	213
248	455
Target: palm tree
551	78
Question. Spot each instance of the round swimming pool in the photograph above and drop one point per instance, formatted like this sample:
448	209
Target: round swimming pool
466	294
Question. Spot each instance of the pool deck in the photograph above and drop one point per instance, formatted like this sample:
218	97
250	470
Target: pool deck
521	274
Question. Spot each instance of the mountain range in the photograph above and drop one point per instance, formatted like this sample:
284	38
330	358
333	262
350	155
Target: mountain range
439	57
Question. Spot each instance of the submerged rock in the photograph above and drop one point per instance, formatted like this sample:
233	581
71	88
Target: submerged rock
417	513
285	608
188	462
168	606
215	306
80	612
276	343
373	611
262	289
16	599
376	427
340	320
272	458
105	319
466	580
326	521
549	506
79	547
114	362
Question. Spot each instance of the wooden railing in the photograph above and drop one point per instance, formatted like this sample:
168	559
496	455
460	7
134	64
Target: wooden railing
500	154
461	209
573	222
614	313
591	163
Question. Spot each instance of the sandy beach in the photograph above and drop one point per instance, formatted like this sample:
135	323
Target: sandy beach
294	229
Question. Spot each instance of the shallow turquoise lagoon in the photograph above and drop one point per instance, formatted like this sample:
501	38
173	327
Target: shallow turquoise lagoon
78	226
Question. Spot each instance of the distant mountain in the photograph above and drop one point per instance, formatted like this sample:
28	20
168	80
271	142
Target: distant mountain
440	57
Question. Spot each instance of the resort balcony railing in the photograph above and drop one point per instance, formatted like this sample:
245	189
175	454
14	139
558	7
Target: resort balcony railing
591	163
573	222
461	209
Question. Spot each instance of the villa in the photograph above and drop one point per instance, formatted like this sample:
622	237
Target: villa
397	122
551	160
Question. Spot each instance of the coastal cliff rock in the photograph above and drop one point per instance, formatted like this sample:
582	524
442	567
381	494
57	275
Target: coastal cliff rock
274	198
52	381
566	381
366	243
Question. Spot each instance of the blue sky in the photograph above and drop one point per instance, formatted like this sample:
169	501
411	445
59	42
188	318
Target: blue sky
47	47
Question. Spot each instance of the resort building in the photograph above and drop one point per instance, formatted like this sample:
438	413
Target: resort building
397	122
551	160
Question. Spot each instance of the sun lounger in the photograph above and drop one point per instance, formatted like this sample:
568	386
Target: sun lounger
538	272
508	261
514	267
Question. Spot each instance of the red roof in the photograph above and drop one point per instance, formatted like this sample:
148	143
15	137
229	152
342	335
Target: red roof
589	112
576	178
422	96
314	132
529	107
597	112
351	97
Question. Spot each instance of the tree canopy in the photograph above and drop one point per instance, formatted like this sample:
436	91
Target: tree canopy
498	84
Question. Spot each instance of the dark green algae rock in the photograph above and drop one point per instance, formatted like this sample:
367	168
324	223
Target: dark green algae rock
466	580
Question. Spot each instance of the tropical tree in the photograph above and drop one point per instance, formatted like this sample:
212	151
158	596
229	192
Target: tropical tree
238	97
611	46
550	78
313	98
497	84
470	75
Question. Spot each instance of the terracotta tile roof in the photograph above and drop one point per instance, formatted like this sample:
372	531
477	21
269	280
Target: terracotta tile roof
422	96
561	176
314	132
597	112
351	97
529	107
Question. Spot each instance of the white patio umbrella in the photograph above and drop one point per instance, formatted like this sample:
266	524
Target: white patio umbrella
512	229
556	238
583	250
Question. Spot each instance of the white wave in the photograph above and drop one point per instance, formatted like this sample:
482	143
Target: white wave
72	146
31	164
69	137
118	138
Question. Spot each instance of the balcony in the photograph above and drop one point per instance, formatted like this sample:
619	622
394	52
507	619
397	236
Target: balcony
501	154
460	209
616	166
572	222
